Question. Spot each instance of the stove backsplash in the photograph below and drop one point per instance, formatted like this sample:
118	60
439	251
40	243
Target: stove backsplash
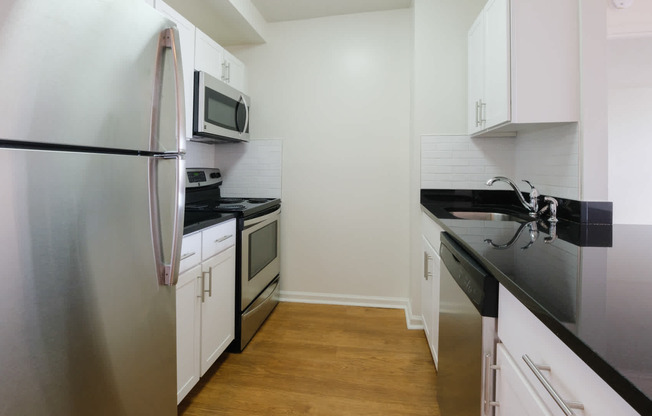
251	169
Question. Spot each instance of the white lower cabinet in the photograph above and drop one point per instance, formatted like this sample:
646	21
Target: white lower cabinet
430	283
188	332
217	307
520	392
430	297
205	296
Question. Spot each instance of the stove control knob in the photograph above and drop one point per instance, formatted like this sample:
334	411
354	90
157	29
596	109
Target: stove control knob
215	175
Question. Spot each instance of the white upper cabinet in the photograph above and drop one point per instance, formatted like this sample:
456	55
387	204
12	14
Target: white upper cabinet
187	42
235	72
523	66
213	59
208	55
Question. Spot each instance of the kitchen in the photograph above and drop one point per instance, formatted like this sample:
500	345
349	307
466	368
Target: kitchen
384	84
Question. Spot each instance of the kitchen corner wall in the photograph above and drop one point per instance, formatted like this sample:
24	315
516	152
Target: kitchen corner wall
630	124
337	90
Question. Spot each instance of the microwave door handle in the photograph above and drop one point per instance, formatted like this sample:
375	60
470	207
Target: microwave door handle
246	106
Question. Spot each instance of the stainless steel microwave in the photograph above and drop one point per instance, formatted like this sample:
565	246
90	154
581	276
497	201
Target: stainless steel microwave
220	112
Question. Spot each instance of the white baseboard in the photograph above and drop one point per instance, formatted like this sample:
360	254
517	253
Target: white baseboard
412	322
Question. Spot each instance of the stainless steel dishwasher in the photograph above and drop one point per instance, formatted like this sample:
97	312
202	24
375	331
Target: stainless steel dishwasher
467	333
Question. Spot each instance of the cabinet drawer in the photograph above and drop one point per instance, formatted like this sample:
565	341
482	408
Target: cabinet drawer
190	251
431	231
217	239
523	334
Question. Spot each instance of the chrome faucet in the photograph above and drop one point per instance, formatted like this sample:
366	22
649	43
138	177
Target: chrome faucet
532	206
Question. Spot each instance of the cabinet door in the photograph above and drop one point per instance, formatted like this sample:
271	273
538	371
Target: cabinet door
208	55
217	307
188	327
430	296
496	63
523	333
187	42
234	72
514	394
476	74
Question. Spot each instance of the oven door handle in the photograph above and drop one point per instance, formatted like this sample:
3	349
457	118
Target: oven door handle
251	222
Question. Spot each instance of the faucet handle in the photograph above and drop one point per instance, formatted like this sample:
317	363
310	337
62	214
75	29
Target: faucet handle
552	206
534	194
532	188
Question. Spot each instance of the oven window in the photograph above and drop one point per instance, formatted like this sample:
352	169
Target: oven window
220	110
262	248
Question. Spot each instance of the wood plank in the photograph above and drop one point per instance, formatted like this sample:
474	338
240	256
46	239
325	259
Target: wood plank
312	359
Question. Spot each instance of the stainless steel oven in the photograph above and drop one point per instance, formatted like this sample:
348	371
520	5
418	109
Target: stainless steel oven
257	247
260	262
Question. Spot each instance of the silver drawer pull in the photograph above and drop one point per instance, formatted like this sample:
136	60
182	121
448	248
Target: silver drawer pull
185	256
226	237
563	405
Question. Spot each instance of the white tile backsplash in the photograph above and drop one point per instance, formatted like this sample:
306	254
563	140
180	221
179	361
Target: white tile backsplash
200	155
252	169
460	162
548	157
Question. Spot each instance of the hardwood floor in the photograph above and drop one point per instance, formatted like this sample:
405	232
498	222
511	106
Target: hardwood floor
323	360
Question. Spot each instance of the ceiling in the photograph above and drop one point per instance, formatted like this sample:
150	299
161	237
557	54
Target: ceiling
281	10
238	22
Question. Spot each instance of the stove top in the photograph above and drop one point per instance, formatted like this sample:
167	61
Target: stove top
244	206
204	200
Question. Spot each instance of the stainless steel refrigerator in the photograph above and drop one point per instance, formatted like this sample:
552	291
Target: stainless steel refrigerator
91	207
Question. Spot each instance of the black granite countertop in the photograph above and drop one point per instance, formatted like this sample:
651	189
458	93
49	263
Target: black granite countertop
192	224
590	284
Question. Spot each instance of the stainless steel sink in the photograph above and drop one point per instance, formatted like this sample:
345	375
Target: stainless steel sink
487	216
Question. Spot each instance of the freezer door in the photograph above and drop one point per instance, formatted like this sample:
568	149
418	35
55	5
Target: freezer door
84	73
85	326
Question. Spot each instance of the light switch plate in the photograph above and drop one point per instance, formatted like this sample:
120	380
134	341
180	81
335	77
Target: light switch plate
622	4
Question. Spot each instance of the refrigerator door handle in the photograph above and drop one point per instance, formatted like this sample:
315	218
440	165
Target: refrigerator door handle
168	274
168	39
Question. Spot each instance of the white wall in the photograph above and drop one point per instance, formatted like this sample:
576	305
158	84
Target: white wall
630	128
438	97
336	90
635	20
593	101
